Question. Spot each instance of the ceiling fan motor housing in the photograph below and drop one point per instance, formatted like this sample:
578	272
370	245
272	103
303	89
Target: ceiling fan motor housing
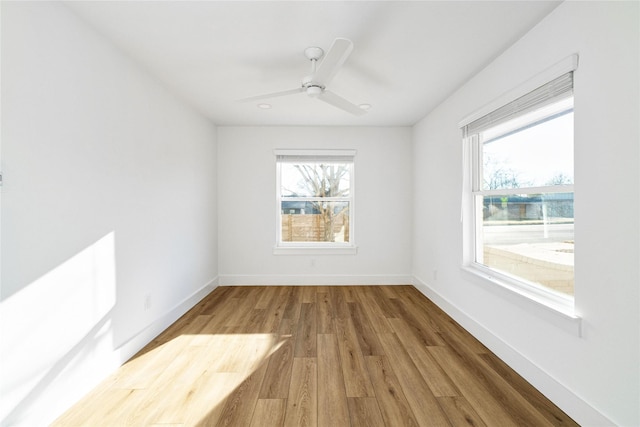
312	88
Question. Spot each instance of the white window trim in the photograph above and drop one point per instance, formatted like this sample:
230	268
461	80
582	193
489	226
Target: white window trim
540	300
316	248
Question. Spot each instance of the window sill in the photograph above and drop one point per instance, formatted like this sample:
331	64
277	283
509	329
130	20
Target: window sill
558	310
310	250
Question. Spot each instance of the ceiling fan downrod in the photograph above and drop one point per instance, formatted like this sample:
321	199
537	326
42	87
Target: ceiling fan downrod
312	88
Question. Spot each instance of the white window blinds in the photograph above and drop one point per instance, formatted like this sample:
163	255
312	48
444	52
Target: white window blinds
316	156
550	93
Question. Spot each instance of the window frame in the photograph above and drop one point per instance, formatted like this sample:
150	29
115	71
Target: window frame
477	194
472	203
315	248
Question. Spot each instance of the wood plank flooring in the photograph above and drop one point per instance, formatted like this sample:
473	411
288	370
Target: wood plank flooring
315	356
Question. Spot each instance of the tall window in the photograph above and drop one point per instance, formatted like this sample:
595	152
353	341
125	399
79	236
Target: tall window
315	198
521	173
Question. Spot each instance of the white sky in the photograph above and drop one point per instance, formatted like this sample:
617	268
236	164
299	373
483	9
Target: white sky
537	154
292	181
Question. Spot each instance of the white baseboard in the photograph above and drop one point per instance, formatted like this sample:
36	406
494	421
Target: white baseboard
565	399
314	279
142	338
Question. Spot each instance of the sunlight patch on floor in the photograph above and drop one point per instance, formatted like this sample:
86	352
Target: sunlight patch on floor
179	382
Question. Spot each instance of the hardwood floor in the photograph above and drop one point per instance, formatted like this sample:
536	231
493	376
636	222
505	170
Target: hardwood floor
315	356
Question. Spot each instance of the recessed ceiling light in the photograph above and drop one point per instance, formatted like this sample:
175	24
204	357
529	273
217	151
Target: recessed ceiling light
264	106
365	106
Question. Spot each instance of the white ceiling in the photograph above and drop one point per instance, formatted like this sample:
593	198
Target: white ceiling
407	57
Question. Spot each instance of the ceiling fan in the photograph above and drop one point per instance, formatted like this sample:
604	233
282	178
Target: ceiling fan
315	84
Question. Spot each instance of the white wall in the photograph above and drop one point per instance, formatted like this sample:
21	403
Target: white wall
596	377
108	210
247	206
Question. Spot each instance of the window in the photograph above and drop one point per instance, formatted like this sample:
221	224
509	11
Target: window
315	200
520	196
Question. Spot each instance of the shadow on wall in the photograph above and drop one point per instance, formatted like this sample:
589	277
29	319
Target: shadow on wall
55	328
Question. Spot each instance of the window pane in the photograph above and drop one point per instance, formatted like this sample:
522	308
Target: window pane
538	154
315	221
530	236
315	179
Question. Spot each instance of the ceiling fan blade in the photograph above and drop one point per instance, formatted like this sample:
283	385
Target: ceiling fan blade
340	102
272	95
333	60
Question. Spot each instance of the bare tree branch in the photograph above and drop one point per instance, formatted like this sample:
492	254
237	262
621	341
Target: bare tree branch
323	180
